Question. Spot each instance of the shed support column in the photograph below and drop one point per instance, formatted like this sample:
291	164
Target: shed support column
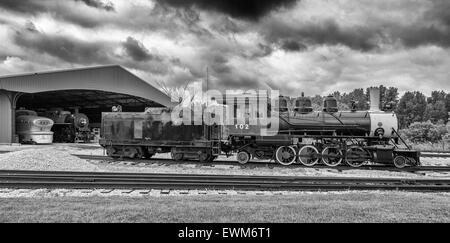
14	98
5	117
8	102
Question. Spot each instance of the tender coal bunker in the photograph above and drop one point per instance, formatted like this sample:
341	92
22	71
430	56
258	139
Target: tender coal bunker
77	112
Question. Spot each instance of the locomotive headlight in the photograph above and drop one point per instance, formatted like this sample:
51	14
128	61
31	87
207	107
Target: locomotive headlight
42	122
83	122
379	132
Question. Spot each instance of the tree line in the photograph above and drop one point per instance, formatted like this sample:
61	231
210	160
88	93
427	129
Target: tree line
412	107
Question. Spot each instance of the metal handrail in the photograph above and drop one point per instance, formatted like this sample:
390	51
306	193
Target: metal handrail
398	135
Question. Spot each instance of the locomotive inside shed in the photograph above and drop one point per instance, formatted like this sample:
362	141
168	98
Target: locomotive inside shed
79	108
88	91
90	102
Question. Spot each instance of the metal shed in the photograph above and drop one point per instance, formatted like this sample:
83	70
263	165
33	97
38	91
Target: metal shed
92	89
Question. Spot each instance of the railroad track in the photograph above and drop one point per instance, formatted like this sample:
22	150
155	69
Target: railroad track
435	154
102	180
262	164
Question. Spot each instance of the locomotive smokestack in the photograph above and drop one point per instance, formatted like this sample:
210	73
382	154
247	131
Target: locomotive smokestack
374	98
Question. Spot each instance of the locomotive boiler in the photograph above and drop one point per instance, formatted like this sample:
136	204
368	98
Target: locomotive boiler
32	128
373	123
303	120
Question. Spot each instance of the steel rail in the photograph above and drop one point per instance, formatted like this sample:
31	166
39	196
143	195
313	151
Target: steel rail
98	180
435	155
265	164
435	151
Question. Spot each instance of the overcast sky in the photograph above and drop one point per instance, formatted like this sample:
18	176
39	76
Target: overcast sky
315	46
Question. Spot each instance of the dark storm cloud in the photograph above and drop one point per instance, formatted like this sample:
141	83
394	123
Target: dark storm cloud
238	81
325	32
226	25
62	10
137	51
439	11
363	38
36	6
24	6
248	9
65	48
219	65
413	37
292	45
235	79
263	51
76	51
108	6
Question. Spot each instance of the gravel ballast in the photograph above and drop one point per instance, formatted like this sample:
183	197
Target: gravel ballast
44	159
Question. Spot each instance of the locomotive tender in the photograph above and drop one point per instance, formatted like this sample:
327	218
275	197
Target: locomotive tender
301	135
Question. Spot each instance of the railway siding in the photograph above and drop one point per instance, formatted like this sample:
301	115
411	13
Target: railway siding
89	157
88	181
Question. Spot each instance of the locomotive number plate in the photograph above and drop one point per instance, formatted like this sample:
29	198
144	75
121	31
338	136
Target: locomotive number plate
242	126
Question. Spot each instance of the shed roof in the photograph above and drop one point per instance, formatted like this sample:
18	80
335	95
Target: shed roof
111	79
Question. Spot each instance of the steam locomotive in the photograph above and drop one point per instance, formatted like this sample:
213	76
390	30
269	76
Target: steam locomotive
301	136
32	128
68	127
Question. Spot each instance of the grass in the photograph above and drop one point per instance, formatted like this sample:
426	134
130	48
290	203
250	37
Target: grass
305	207
441	146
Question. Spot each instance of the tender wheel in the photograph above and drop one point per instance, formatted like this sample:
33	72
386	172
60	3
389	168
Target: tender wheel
111	151
131	152
146	153
243	157
356	156
285	155
331	156
177	156
204	157
400	161
308	155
